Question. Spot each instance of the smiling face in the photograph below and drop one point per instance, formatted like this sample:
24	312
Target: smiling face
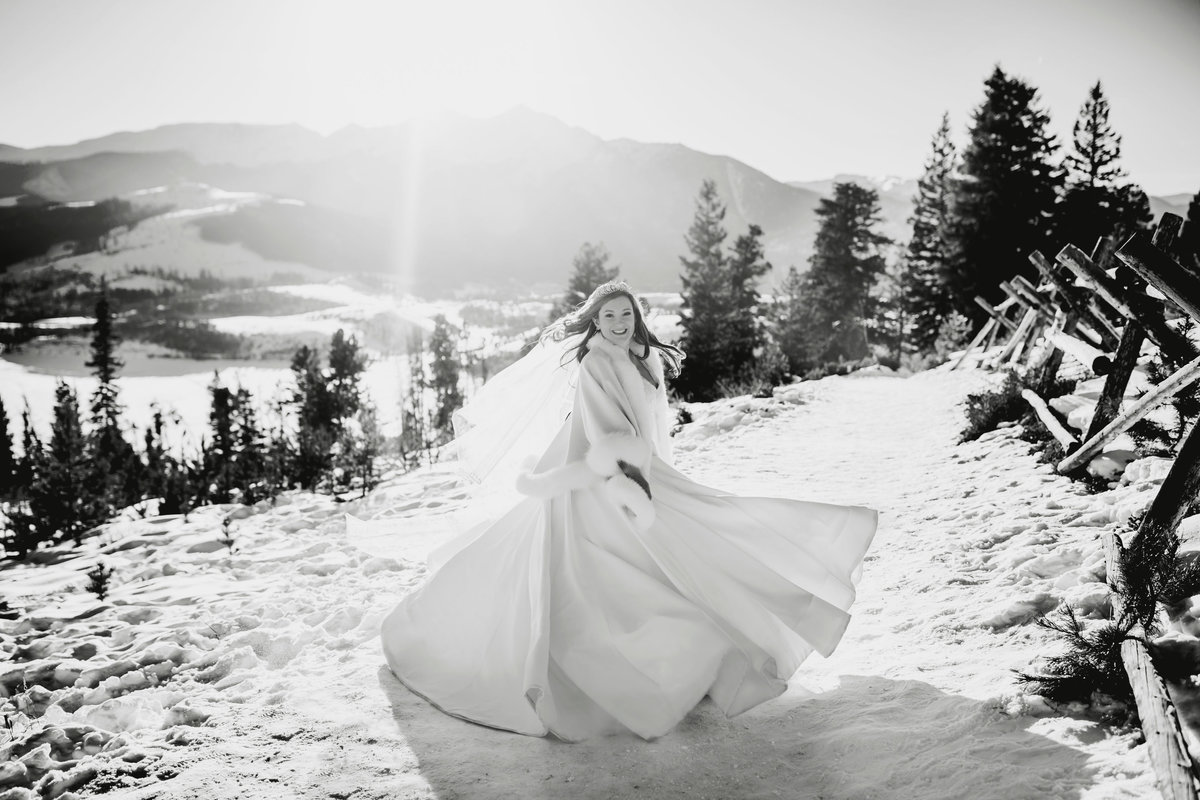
615	320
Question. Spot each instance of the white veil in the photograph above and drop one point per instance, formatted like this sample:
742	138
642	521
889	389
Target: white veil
513	417
509	422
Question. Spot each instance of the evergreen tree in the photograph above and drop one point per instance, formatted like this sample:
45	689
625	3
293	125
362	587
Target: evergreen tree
347	362
250	464
106	410
1097	201
30	447
63	497
789	321
444	372
846	260
1003	197
155	455
315	407
219	453
8	464
1188	243
923	277
706	300
414	421
112	459
745	329
589	270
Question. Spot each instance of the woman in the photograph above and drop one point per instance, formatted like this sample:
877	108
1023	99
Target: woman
619	593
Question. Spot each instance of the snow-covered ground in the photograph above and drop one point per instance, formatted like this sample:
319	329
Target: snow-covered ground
258	674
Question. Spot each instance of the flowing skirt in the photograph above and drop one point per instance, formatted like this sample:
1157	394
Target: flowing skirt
561	617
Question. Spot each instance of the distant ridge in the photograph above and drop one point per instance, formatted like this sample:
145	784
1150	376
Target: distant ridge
457	201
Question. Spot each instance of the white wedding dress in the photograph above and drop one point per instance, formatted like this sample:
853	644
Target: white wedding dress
568	615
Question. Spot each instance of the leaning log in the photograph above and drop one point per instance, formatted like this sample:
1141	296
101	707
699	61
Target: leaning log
1075	298
996	312
1097	361
1162	272
987	329
1028	291
1183	378
1056	428
1169	340
1019	336
1160	723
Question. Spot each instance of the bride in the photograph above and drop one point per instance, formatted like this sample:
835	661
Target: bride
618	593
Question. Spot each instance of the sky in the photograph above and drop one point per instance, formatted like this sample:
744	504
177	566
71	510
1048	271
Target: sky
800	89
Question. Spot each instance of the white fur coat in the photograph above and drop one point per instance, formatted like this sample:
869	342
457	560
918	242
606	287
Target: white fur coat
617	416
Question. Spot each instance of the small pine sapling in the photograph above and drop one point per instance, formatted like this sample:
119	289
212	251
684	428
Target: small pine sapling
98	579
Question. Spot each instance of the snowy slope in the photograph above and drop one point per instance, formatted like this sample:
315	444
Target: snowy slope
258	674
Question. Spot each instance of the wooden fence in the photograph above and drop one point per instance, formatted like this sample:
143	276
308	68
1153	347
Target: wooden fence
1100	309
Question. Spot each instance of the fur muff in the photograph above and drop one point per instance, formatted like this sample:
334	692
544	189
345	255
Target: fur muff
613	460
628	495
605	455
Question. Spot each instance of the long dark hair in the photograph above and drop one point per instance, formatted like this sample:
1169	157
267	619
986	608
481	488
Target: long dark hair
583	321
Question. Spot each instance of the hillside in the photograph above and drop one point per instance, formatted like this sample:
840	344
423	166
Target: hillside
451	202
456	201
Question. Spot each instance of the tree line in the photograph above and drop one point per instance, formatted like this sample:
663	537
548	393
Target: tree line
975	219
323	435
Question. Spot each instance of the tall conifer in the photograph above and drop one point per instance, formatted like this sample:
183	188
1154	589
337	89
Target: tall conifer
746	334
706	299
588	270
1004	195
1188	244
445	369
8	464
1098	201
847	258
923	282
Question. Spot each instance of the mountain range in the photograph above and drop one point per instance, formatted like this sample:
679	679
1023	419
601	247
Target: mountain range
451	202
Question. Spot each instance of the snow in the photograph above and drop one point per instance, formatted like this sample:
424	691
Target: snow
257	673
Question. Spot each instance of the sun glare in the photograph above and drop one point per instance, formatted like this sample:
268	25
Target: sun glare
376	61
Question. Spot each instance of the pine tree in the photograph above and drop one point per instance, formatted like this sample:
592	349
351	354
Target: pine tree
112	459
220	471
444	372
1003	197
106	409
1188	243
589	270
64	497
747	335
789	319
924	274
8	464
347	363
155	455
706	300
30	447
414	421
315	411
250	464
847	258
1097	201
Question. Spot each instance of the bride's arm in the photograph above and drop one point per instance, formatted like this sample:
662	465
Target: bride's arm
598	403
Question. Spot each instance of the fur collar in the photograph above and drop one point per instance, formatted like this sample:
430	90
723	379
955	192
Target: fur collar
621	357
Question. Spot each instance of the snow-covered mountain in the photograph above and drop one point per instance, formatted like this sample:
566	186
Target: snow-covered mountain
451	201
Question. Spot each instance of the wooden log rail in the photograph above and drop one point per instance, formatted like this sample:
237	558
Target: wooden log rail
1081	296
1056	428
1075	300
1097	361
1174	775
1185	377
